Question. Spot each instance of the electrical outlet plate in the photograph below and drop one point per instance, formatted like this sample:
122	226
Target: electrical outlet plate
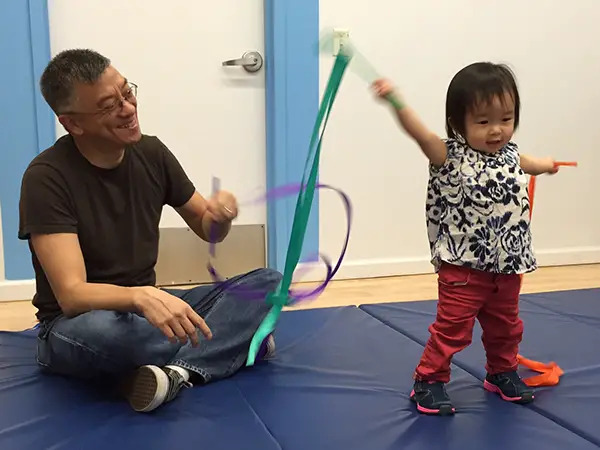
340	37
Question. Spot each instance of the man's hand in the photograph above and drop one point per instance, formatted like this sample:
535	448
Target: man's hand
174	317
222	206
210	219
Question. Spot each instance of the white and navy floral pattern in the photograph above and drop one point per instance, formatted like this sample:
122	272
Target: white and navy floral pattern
478	211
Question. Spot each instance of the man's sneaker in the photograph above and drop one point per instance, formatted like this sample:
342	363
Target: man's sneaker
431	398
151	386
267	348
510	386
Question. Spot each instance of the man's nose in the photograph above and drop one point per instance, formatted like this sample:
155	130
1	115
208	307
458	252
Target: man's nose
126	107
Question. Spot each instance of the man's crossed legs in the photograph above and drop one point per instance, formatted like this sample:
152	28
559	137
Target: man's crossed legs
126	347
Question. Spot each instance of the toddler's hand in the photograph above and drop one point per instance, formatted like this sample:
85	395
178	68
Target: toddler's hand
548	166
383	88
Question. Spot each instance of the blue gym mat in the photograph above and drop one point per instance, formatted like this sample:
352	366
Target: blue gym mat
340	381
48	412
549	336
582	306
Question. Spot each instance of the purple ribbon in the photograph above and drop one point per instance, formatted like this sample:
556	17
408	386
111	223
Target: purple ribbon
295	296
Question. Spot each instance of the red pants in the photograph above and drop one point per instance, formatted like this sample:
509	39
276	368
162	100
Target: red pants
466	294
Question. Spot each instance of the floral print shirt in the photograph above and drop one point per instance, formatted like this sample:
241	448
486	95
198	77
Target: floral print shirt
477	211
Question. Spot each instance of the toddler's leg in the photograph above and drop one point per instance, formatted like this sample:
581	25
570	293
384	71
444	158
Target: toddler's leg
461	293
502	327
460	298
502	334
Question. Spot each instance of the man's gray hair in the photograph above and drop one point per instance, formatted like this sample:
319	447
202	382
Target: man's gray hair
65	70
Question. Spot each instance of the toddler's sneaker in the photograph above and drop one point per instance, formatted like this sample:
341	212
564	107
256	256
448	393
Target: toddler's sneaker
509	386
151	386
431	398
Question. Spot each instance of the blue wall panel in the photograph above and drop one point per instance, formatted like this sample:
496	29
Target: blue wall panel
292	90
26	122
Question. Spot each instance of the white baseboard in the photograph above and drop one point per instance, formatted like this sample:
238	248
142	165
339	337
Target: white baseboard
568	256
374	268
17	290
369	268
365	268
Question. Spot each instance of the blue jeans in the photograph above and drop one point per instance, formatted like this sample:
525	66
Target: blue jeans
107	344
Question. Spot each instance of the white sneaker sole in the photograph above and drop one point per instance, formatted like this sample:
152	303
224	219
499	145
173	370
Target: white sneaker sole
148	388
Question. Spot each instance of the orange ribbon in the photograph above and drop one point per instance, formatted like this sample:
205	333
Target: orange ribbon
549	373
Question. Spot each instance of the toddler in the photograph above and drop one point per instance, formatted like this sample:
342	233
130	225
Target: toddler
477	212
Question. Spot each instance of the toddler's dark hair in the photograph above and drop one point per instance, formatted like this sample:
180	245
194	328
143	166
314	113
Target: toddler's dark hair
478	82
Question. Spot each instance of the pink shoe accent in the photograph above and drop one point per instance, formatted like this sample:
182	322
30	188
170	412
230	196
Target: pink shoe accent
430	411
425	410
495	389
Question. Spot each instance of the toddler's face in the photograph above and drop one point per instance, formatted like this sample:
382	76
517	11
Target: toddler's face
490	125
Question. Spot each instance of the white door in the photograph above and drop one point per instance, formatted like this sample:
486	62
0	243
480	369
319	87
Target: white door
212	117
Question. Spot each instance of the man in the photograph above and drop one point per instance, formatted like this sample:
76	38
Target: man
90	207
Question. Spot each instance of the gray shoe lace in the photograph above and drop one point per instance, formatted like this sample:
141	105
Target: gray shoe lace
176	382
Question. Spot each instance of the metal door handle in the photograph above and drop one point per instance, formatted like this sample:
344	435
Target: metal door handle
250	61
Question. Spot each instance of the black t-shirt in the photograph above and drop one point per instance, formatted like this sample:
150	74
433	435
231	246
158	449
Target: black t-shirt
114	212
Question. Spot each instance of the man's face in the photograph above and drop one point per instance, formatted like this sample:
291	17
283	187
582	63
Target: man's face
105	110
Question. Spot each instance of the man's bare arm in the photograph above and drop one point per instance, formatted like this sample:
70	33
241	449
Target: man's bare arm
62	260
60	256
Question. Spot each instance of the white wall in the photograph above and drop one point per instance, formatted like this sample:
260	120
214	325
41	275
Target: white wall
553	48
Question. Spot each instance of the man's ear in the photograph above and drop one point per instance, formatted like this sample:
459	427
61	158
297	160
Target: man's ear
70	124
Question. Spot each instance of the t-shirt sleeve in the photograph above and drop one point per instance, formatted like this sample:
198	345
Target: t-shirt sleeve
45	206
179	188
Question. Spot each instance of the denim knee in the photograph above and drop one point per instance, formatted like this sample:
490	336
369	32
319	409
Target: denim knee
270	277
101	342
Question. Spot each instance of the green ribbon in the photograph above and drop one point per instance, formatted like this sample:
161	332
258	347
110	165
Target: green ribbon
280	297
360	65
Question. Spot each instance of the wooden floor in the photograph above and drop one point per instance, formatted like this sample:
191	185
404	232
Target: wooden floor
20	315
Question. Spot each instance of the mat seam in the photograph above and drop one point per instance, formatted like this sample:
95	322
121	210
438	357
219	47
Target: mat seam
268	431
560	313
532	408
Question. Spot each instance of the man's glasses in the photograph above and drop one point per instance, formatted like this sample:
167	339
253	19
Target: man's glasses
130	95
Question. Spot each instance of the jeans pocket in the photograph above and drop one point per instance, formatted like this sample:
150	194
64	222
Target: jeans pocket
46	327
454	276
42	353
